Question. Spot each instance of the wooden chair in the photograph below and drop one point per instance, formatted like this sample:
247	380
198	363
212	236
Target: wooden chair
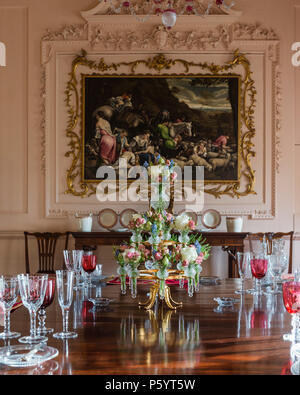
46	250
270	236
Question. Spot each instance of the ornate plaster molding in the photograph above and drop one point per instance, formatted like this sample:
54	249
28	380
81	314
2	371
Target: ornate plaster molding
96	37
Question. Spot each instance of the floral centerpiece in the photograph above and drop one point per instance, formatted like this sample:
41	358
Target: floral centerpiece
161	251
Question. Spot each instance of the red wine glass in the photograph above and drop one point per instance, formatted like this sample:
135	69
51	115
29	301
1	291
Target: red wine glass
291	300
48	299
89	263
259	267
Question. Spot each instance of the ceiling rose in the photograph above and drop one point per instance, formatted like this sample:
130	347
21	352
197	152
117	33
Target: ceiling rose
169	10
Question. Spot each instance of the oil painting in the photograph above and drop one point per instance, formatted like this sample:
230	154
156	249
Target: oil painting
190	119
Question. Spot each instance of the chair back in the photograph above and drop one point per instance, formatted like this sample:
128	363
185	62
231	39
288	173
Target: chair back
46	242
269	237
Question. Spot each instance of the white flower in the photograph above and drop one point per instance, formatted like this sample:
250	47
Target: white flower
182	221
155	171
189	254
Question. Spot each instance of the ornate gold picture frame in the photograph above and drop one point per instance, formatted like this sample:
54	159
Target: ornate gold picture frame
241	182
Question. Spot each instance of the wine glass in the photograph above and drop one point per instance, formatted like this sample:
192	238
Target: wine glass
77	259
33	290
278	265
73	260
242	259
291	299
9	292
89	263
65	282
259	267
49	296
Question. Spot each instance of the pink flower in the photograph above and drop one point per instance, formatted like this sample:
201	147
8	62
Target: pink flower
173	176
158	256
191	224
130	254
141	247
199	260
168	162
185	263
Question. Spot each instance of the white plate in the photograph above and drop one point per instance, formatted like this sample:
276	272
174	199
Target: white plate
191	214
16	355
125	216
107	218
211	218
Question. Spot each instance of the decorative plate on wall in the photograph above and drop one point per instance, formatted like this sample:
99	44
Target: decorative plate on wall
126	215
107	218
192	214
211	218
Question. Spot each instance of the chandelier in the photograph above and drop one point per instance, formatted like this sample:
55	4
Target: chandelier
169	10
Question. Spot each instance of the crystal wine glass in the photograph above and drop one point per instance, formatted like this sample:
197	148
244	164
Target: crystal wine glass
9	292
278	265
89	263
32	290
65	282
259	267
73	259
242	259
49	296
77	259
291	300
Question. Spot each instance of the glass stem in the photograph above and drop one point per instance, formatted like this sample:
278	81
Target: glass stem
258	287
65	320
77	279
275	286
6	321
32	323
89	282
42	318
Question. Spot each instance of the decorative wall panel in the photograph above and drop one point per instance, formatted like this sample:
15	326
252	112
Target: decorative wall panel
215	41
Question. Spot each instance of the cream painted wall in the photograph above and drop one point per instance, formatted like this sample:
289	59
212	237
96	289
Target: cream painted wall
22	193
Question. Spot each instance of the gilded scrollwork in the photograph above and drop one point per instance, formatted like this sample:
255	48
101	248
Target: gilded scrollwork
244	186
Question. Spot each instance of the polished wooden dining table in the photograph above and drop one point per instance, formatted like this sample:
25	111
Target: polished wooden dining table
198	338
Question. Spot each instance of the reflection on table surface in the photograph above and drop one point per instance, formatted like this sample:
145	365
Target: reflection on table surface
122	338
